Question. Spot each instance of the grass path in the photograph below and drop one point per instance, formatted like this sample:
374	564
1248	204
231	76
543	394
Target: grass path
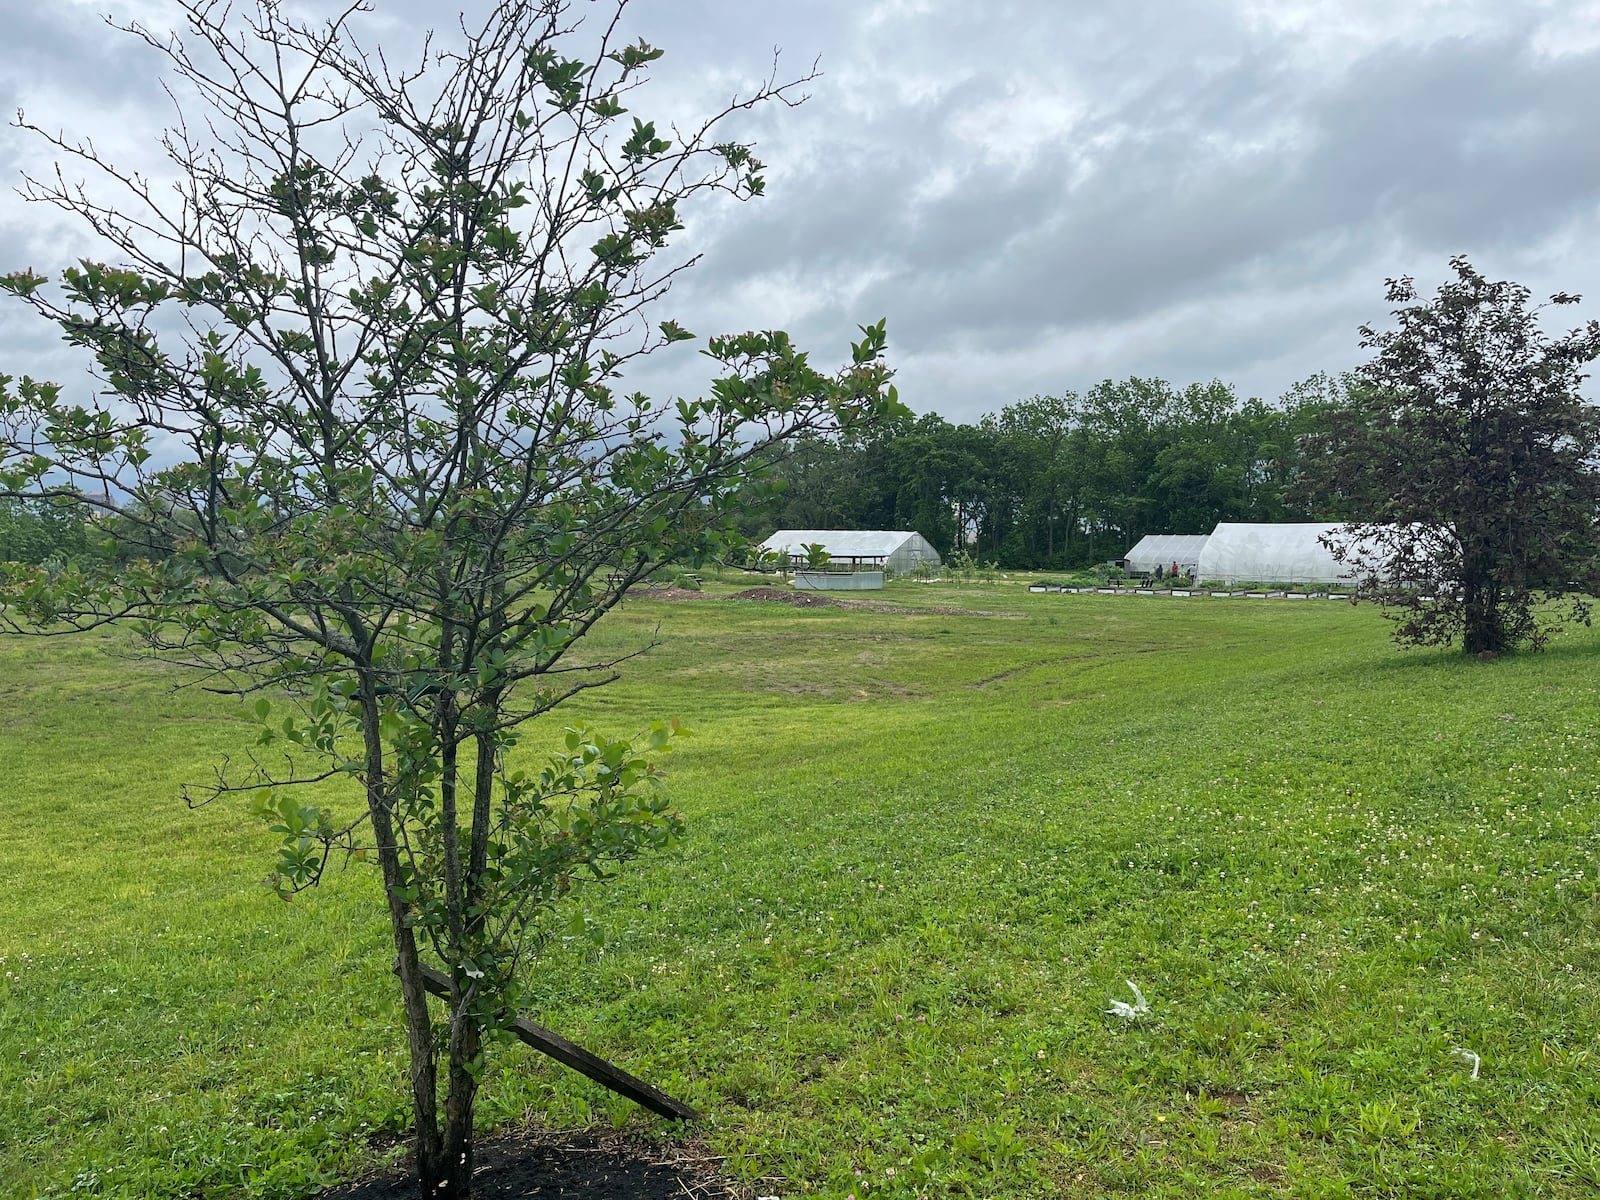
926	850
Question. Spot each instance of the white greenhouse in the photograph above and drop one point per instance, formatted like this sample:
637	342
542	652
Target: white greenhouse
1237	552
1163	549
898	551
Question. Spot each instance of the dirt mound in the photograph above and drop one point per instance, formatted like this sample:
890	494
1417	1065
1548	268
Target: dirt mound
784	596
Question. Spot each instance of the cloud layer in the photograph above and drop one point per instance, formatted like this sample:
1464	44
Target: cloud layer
1037	196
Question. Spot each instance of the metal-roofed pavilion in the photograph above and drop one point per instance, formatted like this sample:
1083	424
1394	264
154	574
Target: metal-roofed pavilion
901	551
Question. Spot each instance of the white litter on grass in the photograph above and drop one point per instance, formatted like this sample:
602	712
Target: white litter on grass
1130	1012
1467	1056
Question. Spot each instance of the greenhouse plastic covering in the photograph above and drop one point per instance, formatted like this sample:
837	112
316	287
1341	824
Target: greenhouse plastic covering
1237	552
1164	549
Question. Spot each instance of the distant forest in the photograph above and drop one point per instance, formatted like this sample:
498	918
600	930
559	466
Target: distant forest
1064	481
1051	482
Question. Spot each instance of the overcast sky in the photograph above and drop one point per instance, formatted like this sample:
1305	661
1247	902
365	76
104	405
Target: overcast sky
1038	195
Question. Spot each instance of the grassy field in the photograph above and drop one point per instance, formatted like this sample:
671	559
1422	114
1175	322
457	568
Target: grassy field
926	850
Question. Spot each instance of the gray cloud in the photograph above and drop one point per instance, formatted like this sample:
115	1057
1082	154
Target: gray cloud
1039	195
1230	172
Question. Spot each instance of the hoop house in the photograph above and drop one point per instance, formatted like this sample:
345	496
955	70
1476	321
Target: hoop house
1237	551
1164	549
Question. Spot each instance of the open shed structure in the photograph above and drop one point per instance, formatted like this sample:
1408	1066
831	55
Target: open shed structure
900	551
1163	549
1291	553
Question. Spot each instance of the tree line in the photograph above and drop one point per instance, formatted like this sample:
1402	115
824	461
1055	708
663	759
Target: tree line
1055	481
40	531
1061	481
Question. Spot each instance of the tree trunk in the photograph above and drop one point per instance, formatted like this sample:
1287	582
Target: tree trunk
465	1043
466	1038
1482	631
414	995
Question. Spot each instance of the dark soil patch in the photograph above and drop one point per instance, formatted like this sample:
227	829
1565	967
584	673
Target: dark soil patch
575	1166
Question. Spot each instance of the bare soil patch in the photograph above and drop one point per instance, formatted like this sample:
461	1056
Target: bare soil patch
770	594
796	599
942	610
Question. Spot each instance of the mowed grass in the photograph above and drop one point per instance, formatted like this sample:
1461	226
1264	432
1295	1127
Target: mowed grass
926	850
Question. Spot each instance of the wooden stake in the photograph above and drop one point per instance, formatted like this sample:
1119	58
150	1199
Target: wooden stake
580	1060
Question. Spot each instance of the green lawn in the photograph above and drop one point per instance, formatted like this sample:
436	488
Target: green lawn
926	849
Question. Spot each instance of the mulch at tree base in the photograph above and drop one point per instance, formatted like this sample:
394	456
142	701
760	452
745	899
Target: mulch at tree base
570	1166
